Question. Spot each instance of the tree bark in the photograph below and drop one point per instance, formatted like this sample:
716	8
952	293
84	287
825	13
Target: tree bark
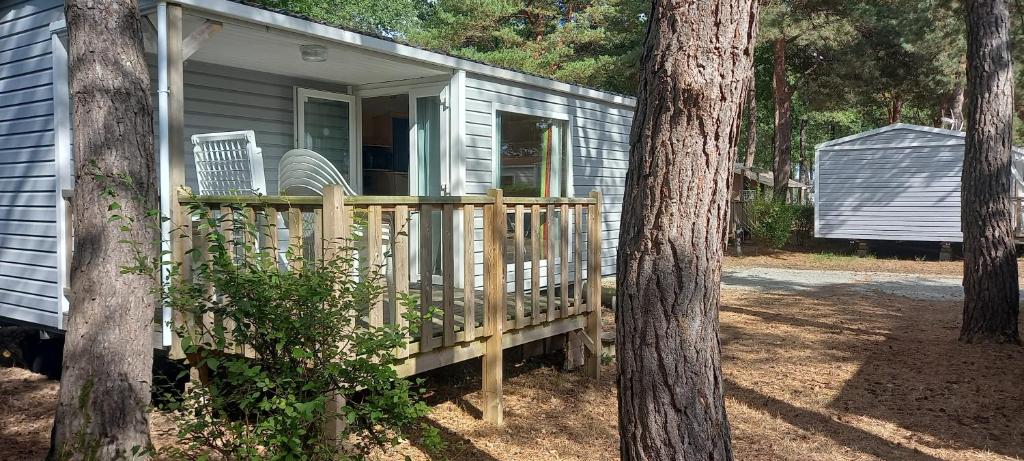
805	161
696	62
956	109
783	149
990	264
104	397
751	107
895	108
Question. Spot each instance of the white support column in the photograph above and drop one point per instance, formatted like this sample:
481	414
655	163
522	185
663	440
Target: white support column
170	125
63	159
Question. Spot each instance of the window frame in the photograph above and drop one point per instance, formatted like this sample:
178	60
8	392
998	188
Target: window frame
355	160
568	153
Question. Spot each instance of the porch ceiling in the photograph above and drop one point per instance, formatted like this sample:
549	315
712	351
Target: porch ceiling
268	50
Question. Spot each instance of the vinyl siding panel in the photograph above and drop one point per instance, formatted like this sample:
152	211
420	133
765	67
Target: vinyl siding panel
219	98
28	172
599	141
900	184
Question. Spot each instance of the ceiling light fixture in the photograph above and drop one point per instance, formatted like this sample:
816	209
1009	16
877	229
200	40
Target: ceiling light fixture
313	53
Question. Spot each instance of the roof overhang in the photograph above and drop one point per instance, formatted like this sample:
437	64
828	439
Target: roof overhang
227	9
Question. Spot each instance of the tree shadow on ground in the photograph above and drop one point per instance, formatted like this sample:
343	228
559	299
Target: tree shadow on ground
874	355
812	421
537	392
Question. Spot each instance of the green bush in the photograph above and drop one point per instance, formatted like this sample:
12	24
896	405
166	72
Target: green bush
305	339
803	221
771	221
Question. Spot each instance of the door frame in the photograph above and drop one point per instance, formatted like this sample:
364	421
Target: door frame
416	90
441	89
355	157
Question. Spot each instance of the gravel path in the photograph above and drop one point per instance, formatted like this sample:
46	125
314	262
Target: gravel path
793	280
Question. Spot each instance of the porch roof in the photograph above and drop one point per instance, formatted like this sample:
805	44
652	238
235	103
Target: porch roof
372	46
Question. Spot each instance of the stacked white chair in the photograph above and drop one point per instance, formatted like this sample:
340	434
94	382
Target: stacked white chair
304	172
229	163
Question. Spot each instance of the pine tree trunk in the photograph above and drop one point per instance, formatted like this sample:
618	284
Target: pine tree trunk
956	108
108	354
697	59
990	264
805	161
751	107
895	108
783	121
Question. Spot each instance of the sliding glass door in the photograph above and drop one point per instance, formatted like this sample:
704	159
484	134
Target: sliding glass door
429	166
325	123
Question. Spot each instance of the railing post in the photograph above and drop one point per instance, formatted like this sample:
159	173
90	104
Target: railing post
494	305
592	357
180	223
334	233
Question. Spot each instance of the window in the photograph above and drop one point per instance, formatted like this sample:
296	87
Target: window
532	160
325	124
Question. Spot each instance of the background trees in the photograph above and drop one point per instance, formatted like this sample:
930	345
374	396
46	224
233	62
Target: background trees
591	42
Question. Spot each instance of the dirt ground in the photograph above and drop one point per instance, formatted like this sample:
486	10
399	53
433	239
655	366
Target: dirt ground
825	374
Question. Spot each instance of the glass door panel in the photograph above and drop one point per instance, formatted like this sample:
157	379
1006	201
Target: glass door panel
326	126
428	148
429	137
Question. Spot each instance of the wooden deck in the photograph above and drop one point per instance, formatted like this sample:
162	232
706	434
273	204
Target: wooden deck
502	271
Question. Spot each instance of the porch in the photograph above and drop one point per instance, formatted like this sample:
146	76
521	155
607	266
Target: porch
423	158
528	267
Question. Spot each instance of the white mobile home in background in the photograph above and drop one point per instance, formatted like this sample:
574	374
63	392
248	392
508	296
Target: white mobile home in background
899	182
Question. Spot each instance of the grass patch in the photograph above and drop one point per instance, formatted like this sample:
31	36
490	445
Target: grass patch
834	257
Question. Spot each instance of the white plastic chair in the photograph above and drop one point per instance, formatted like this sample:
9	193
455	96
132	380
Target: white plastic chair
304	172
229	163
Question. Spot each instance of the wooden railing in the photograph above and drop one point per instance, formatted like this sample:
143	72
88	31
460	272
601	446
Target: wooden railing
1017	209
520	277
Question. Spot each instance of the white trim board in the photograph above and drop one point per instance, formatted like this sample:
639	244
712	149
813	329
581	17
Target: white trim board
63	156
355	156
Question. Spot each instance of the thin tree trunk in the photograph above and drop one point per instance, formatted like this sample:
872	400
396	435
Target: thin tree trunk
990	264
895	108
697	58
783	121
956	108
751	106
805	161
104	398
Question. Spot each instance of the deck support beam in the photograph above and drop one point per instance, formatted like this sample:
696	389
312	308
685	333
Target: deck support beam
945	252
494	307
176	98
592	356
171	127
195	40
334	235
862	249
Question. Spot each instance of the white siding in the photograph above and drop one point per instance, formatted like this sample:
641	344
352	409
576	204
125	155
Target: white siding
599	140
219	98
898	184
28	173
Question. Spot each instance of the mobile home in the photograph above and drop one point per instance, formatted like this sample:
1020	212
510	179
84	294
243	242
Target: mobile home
899	182
393	119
